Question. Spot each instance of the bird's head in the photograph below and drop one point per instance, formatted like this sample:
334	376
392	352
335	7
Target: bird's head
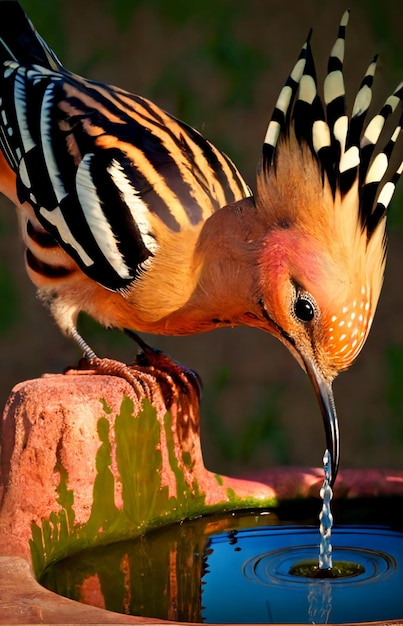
323	188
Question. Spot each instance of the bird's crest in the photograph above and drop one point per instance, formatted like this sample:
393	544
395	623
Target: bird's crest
342	147
330	176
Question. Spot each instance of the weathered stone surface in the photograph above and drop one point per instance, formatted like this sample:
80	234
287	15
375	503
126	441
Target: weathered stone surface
296	482
52	425
24	601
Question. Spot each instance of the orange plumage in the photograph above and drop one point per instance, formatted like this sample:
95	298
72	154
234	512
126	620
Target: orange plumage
132	216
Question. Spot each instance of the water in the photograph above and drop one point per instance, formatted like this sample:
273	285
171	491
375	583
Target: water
238	568
326	517
325	568
254	583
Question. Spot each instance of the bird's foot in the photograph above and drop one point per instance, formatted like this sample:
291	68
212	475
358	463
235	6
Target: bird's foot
152	369
166	369
143	384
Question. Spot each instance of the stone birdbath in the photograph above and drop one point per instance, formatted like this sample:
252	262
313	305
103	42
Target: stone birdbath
88	460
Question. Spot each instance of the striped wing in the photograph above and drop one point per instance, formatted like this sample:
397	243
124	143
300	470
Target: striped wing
105	170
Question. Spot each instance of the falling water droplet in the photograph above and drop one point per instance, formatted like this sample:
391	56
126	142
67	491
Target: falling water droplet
326	517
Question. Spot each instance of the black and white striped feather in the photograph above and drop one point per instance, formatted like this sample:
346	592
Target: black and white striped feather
346	151
104	170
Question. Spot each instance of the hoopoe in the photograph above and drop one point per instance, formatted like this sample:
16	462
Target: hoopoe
132	216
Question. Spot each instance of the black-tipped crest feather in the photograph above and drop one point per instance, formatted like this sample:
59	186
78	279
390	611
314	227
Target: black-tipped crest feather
344	149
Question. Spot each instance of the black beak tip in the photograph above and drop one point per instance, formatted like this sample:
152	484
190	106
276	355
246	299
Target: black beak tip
324	394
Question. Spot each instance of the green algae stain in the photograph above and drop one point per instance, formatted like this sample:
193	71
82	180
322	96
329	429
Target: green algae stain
65	496
132	504
104	511
145	500
219	479
231	495
139	461
187	460
188	499
106	406
48	541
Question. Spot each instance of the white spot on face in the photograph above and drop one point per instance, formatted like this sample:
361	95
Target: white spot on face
334	318
349	324
352	315
367	306
360	317
342	337
354	343
344	309
341	323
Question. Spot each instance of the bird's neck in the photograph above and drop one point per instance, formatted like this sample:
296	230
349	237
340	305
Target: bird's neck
223	270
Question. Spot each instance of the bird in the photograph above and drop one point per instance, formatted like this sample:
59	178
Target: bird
132	216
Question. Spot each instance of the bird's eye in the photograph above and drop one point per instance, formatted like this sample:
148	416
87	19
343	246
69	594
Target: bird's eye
304	309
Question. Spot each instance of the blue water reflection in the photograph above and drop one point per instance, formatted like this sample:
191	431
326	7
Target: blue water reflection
247	578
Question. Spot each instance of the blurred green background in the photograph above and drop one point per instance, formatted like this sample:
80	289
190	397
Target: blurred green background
219	65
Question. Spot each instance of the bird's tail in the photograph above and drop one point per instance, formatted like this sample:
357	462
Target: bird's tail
19	40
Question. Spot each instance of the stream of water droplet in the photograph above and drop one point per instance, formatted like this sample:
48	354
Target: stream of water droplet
326	517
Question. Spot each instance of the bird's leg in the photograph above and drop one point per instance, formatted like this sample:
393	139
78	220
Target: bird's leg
87	351
90	363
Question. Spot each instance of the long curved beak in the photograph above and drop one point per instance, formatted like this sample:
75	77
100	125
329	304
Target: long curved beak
324	394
